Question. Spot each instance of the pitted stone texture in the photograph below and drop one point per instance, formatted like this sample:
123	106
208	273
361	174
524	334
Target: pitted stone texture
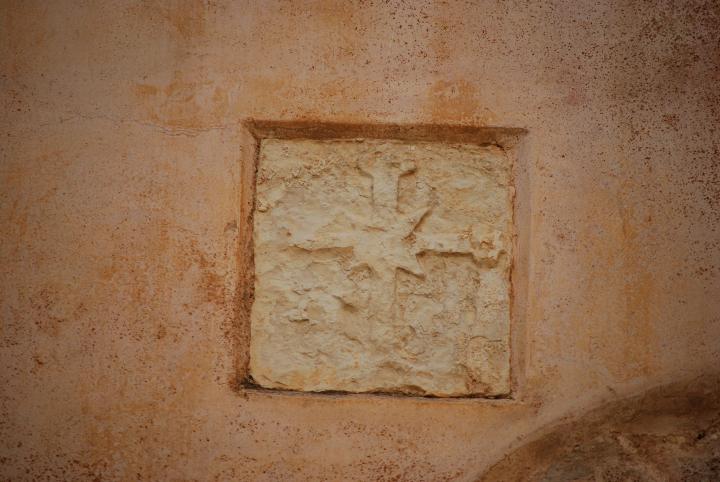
382	266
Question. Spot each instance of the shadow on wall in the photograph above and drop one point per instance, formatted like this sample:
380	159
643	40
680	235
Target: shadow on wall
668	433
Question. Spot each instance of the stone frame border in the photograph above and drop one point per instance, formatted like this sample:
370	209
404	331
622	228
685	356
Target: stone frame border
512	140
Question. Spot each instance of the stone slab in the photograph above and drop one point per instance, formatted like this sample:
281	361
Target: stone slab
382	266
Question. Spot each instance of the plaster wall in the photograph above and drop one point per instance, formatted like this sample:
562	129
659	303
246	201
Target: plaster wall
122	210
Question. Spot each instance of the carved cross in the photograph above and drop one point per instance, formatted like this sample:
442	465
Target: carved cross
387	241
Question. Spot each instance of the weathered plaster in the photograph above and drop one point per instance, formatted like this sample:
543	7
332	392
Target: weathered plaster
124	208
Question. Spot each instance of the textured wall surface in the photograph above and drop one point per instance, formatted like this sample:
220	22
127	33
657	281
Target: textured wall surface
120	207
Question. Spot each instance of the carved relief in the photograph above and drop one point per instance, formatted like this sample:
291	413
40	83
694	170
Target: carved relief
382	266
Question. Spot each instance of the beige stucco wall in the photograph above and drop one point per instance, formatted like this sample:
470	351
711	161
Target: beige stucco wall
120	177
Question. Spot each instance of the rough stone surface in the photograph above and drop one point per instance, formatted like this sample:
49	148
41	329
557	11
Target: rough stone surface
382	266
669	433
